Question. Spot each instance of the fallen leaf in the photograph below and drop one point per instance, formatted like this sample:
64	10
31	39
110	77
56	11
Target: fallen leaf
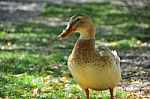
45	80
46	88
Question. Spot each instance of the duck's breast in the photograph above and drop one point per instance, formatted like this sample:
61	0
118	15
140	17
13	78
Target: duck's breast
94	74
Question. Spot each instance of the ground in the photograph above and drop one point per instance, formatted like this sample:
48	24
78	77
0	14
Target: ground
33	61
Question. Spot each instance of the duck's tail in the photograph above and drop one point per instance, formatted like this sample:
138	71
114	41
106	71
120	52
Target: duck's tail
116	58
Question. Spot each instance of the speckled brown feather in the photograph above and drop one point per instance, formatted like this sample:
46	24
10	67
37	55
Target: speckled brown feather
89	66
84	52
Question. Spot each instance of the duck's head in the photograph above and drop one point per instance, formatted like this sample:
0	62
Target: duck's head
79	23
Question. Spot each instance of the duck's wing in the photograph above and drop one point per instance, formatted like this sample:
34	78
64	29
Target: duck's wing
103	50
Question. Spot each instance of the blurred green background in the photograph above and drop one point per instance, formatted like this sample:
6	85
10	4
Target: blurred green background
33	62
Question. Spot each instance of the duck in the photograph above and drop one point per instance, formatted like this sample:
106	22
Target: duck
91	68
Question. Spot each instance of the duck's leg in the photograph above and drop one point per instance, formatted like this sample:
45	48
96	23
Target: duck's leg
87	93
111	93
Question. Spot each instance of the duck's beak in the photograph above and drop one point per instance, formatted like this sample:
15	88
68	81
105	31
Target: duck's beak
69	29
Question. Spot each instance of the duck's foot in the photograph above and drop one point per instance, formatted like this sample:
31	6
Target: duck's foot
87	93
111	93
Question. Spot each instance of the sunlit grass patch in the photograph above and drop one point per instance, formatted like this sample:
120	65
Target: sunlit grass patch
125	43
45	85
34	86
16	86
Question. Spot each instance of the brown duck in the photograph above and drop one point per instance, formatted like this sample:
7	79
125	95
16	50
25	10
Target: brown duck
98	70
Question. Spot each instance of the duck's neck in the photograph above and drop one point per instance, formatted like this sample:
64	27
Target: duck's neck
89	32
86	42
90	40
84	45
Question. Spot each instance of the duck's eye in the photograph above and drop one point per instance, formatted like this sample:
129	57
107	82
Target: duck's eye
78	19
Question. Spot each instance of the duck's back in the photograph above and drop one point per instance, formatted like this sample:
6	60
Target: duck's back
93	69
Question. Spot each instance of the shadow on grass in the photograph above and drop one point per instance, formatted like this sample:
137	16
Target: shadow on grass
29	47
123	20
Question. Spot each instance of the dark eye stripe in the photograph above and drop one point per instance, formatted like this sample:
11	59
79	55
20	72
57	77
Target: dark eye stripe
78	19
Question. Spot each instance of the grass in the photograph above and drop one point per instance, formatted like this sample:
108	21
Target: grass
42	85
33	61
